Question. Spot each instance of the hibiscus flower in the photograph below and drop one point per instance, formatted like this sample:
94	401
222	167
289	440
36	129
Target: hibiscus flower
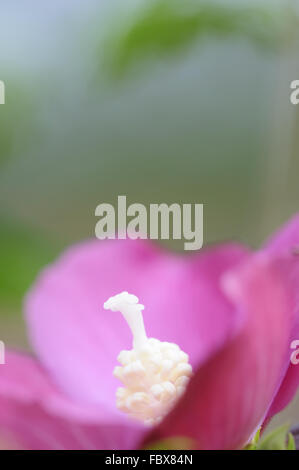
232	311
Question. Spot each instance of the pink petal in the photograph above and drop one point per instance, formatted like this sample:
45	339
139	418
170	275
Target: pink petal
286	240
78	341
229	395
286	243
35	415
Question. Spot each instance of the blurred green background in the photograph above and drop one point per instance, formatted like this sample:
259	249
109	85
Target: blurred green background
160	100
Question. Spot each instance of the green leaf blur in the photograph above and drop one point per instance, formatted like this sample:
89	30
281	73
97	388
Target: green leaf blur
164	27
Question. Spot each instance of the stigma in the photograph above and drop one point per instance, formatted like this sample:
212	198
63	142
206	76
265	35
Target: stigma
154	373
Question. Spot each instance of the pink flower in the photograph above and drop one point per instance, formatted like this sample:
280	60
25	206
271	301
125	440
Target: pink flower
234	312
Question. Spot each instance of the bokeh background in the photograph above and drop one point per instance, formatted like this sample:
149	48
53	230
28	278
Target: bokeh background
163	101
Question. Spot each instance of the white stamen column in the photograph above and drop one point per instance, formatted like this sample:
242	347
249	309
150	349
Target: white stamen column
154	373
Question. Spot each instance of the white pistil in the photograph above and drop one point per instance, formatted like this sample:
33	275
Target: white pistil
154	373
128	305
